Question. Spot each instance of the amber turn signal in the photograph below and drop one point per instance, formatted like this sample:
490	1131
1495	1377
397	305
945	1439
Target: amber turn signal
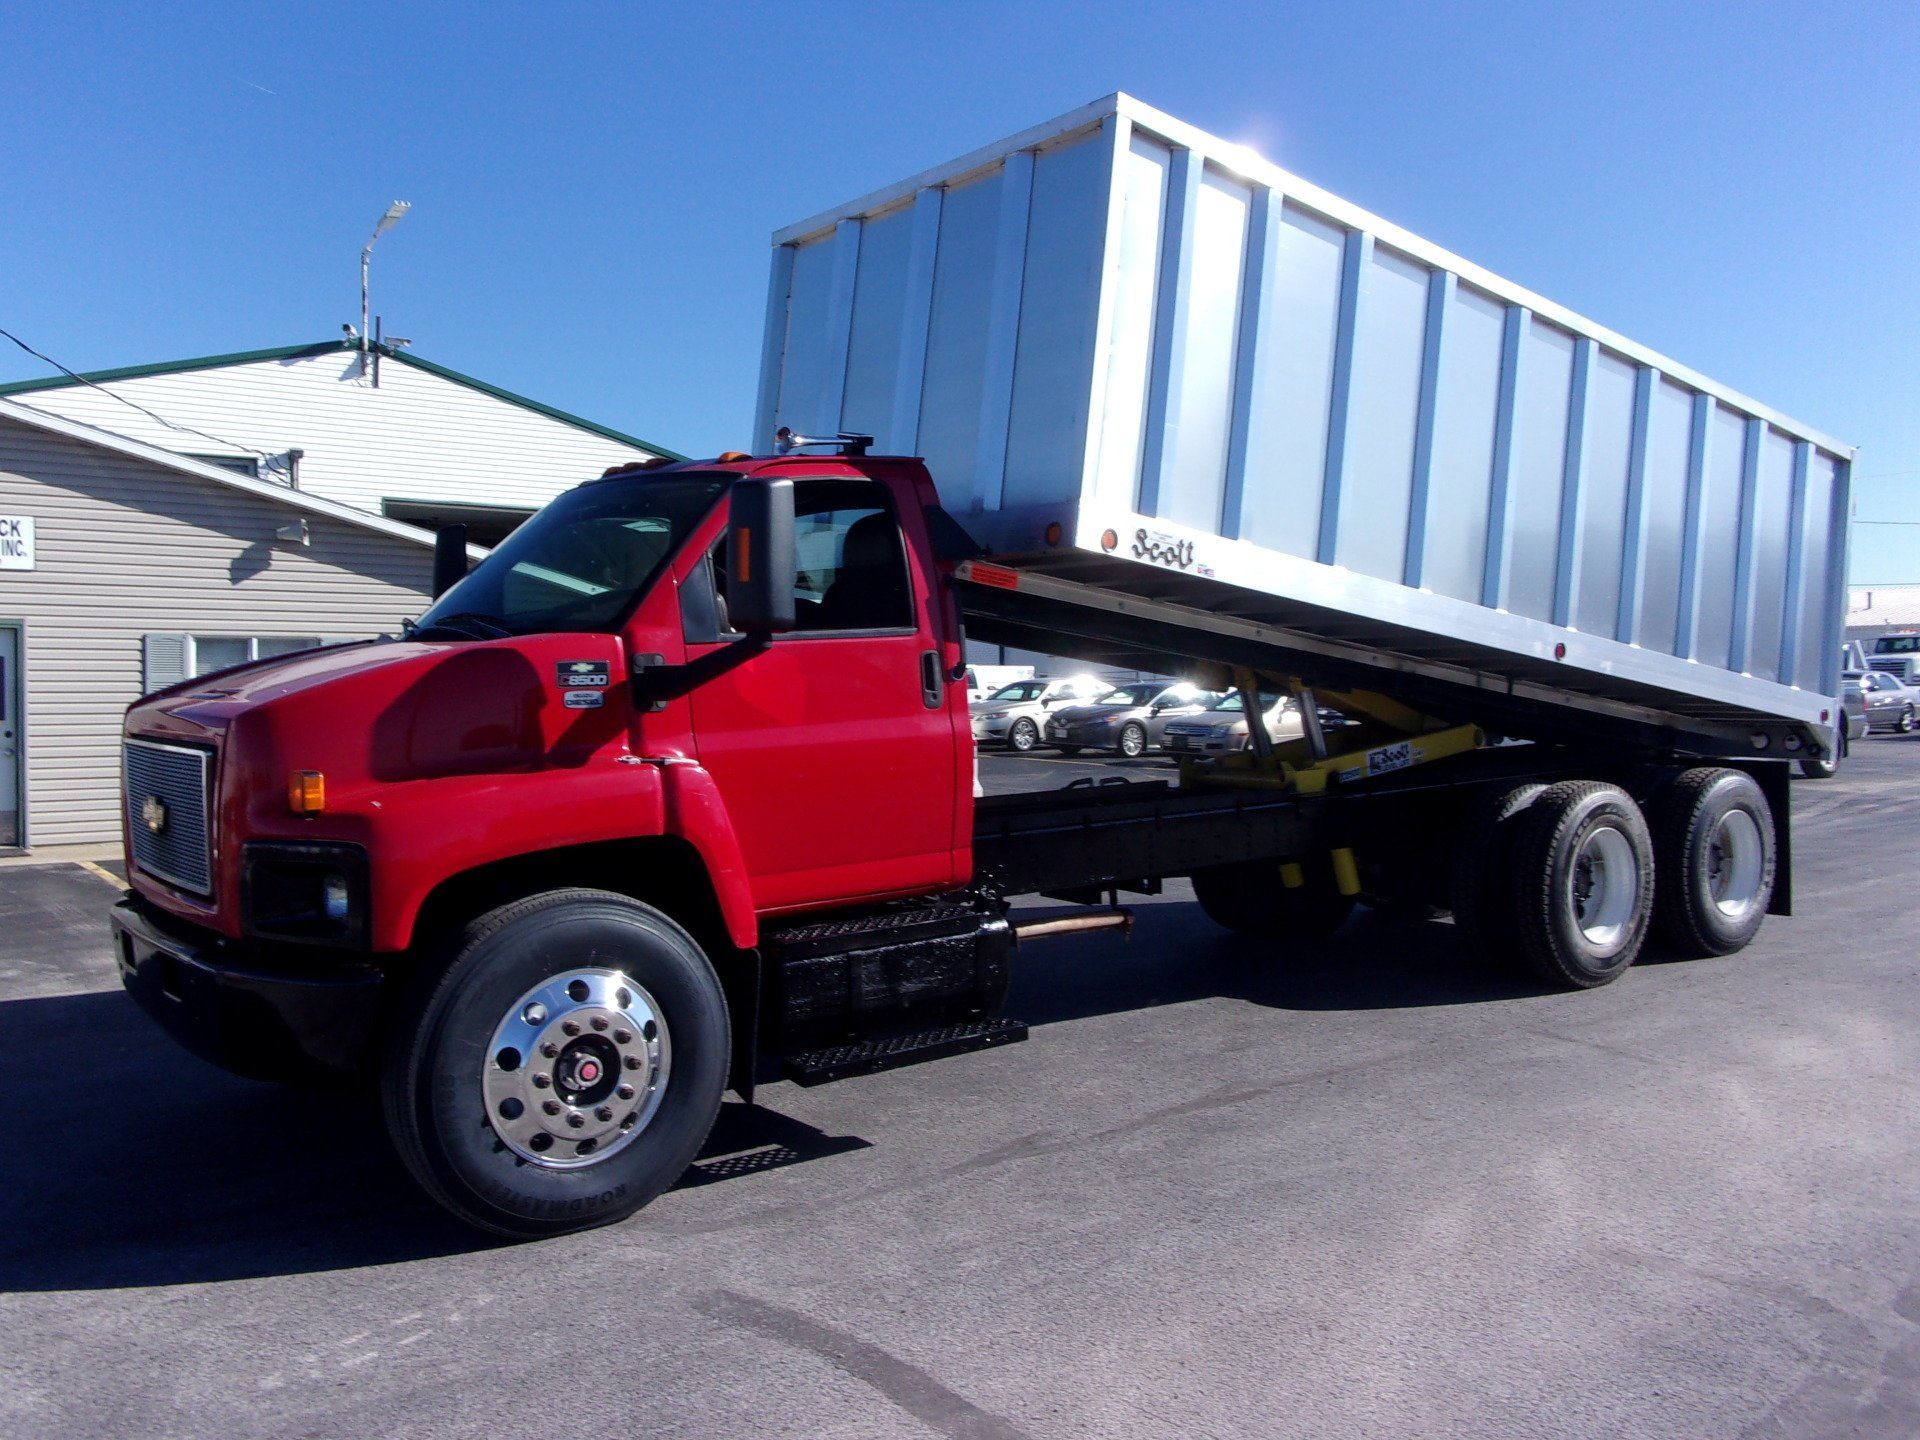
306	792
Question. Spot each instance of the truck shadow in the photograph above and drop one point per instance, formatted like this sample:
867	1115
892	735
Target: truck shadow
1376	961
130	1163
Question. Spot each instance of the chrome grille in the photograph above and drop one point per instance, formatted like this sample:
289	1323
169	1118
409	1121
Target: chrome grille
169	817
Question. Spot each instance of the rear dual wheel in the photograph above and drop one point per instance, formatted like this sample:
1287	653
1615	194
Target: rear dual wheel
564	1068
1715	844
1583	891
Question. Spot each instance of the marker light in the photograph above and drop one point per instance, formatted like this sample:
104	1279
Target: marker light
306	792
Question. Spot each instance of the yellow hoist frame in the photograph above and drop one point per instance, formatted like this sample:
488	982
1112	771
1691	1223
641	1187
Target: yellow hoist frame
1393	737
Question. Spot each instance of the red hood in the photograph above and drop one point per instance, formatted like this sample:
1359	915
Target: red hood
203	708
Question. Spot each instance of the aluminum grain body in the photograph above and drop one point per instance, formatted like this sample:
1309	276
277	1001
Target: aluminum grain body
1194	361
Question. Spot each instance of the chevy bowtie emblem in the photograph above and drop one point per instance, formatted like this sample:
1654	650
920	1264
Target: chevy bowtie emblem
153	811
583	667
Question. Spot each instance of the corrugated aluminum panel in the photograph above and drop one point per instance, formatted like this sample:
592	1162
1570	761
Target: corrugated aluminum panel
1123	324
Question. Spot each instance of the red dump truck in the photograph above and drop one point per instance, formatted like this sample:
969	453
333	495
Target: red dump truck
674	791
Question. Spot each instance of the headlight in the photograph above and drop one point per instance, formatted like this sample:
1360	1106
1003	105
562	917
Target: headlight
308	894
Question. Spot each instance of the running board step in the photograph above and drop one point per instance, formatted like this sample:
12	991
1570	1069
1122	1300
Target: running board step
841	1062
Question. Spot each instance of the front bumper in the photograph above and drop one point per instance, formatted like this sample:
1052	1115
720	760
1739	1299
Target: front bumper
1085	735
246	1008
1211	742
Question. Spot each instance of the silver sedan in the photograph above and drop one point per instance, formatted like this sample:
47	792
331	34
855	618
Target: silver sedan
1890	704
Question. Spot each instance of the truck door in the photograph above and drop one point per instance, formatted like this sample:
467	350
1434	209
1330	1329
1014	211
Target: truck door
834	748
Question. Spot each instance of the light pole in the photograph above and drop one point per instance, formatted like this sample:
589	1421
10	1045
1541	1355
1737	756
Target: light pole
395	212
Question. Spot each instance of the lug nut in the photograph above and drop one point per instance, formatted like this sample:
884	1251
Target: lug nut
576	1119
552	1107
633	1062
571	1027
605	1112
625	1092
540	1082
599	1022
550	1050
623	1037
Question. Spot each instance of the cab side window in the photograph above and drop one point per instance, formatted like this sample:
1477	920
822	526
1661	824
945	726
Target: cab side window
852	572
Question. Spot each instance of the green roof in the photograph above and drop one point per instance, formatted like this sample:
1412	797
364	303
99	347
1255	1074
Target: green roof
325	347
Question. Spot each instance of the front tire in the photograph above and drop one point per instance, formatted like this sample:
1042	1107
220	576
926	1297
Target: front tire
1132	743
1023	736
1583	891
564	1068
1715	855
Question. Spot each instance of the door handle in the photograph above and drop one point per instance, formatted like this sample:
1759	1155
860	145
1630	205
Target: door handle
931	689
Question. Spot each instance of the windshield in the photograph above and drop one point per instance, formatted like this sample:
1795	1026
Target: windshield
1020	690
1130	695
580	563
1897	645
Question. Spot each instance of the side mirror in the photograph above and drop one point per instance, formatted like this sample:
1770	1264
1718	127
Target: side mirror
449	558
762	558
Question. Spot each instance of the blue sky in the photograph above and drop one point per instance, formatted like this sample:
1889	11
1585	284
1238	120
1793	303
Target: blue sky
594	185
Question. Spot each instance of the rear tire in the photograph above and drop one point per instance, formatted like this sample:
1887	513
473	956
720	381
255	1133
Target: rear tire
1583	892
1480	878
649	1016
1904	725
1023	735
1249	898
1715	856
1132	743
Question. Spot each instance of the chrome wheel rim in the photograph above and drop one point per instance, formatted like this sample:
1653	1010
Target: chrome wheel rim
1735	858
1132	742
577	1069
1605	882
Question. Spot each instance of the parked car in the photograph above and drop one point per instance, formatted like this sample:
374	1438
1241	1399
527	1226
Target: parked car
1853	725
983	680
1890	704
1013	714
1221	729
1129	720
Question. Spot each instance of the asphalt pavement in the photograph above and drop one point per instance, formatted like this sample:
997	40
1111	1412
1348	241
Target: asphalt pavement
1362	1189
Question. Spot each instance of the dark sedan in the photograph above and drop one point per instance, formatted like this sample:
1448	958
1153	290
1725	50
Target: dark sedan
1126	721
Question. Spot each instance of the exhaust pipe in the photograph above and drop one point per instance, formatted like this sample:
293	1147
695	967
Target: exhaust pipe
449	558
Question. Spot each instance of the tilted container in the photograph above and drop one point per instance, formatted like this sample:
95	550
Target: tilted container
1194	362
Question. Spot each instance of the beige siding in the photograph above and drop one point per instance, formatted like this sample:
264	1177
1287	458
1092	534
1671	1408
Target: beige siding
417	437
123	548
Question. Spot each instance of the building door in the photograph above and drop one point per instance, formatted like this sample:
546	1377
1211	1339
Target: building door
13	736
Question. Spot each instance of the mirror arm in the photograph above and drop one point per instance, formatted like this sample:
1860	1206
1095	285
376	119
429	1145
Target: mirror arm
654	682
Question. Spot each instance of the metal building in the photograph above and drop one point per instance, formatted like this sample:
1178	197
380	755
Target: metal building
383	430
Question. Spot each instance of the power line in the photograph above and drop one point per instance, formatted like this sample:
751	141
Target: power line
1884	522
159	419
